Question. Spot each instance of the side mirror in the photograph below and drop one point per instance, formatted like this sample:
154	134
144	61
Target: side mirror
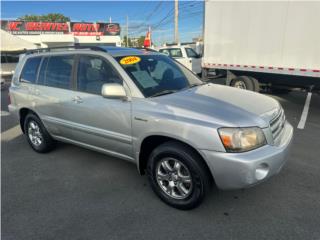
113	90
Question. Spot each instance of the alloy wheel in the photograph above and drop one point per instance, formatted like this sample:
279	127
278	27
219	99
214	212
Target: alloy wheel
240	84
34	133
174	178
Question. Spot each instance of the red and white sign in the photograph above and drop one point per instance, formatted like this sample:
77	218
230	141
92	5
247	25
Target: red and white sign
94	29
34	28
76	28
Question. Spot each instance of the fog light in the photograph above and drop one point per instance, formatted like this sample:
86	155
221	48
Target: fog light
262	171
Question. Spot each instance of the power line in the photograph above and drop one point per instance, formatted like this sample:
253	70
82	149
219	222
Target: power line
168	17
171	12
149	16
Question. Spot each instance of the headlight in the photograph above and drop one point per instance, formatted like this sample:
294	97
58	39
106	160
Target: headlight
241	139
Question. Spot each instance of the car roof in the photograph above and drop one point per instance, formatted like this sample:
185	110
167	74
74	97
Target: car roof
123	51
113	51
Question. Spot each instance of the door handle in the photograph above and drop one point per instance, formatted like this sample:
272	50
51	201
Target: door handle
36	92
77	99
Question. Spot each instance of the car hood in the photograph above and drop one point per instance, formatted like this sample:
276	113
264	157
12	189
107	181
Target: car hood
219	105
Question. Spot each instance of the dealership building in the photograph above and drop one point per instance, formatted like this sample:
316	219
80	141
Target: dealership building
54	34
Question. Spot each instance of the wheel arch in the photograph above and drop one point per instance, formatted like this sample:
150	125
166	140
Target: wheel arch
152	141
23	112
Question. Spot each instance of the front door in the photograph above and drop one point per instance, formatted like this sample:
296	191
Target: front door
101	123
194	60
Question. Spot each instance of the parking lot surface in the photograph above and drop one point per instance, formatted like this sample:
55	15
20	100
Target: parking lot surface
74	193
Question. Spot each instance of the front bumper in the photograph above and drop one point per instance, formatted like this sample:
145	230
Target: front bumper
242	170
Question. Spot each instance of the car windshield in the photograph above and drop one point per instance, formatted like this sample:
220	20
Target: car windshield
157	75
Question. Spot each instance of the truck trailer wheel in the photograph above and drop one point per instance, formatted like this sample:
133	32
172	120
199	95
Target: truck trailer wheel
243	82
256	84
204	74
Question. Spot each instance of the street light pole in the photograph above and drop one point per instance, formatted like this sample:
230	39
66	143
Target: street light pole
127	41
176	16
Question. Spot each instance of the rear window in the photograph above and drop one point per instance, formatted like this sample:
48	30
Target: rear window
172	52
30	69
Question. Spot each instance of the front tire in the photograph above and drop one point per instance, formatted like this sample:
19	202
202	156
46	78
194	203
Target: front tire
37	135
178	175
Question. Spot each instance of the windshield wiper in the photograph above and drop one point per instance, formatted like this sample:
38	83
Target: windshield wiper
164	92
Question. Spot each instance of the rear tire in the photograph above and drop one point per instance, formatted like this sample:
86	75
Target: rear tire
243	82
256	84
37	135
178	175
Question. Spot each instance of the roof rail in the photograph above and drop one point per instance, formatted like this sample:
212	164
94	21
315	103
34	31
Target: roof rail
146	49
40	50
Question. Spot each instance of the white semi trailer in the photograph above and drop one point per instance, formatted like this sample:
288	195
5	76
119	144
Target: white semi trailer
263	43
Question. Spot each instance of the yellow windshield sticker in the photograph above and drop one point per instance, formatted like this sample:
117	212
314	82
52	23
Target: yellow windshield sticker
130	60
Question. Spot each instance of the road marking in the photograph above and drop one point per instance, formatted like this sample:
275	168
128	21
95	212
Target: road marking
11	133
4	113
305	111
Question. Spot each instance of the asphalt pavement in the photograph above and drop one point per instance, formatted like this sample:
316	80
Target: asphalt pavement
74	193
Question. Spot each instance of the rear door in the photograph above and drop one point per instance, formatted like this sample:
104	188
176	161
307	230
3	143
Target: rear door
27	82
52	96
102	123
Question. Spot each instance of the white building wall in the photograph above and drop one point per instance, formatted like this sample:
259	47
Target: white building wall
51	40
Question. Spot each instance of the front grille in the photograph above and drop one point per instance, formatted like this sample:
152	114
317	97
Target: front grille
277	124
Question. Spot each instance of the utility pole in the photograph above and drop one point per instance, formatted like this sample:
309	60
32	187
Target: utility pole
127	41
176	16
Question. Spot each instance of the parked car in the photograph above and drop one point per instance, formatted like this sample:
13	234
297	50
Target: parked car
144	107
185	55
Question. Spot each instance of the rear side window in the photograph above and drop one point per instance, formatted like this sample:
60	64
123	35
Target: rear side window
30	69
56	71
42	72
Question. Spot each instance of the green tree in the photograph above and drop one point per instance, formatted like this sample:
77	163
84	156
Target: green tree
51	17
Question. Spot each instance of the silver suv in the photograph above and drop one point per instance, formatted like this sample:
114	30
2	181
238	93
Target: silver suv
146	108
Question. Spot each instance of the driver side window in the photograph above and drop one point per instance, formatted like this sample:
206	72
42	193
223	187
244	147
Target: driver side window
93	72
